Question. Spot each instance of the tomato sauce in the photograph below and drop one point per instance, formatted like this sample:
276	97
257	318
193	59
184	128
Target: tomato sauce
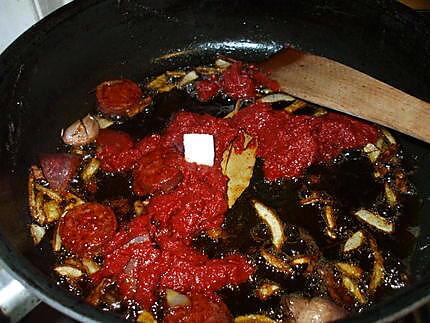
153	251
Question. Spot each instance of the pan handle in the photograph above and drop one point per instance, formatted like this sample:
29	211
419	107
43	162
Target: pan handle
15	300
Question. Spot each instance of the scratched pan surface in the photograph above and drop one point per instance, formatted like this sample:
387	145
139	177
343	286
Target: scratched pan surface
47	74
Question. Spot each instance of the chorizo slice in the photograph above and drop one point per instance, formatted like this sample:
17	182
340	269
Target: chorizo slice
156	173
86	228
122	98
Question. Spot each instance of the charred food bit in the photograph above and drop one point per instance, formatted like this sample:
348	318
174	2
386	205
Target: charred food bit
81	132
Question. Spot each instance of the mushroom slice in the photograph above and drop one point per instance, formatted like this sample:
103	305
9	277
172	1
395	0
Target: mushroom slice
90	169
174	298
52	211
390	195
378	271
56	240
145	317
37	233
238	167
375	220
81	132
188	78
272	220
276	262
353	289
90	266
276	97
372	152
354	241
68	271
350	270
253	318
266	290
295	106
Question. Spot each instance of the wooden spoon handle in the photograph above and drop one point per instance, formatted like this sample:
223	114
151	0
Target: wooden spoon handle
330	84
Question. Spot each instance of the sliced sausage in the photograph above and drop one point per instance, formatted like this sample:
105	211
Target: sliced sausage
59	169
86	228
120	98
156	173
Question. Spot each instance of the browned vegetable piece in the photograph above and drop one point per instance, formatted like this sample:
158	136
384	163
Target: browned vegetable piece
161	84
350	270
354	289
296	106
378	271
274	261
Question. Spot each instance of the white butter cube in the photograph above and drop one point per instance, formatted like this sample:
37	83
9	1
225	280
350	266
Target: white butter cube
199	148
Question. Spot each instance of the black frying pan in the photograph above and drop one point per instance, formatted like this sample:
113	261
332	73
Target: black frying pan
46	76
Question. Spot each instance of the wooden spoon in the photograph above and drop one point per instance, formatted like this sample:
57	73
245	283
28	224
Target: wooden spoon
333	85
